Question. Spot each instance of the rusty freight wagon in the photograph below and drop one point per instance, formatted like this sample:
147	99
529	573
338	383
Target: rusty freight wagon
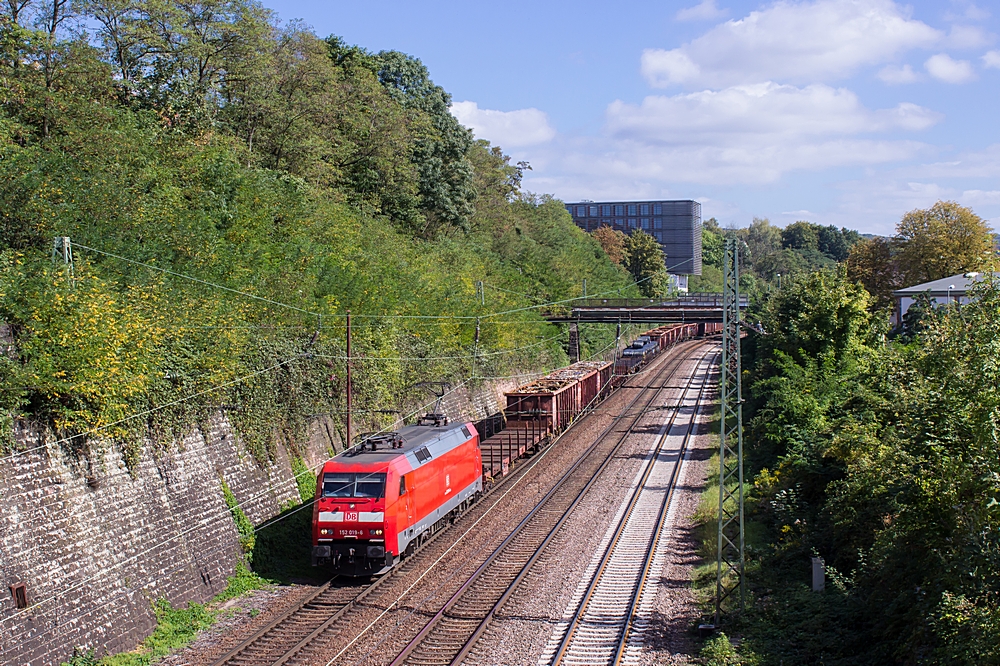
709	328
553	401
499	451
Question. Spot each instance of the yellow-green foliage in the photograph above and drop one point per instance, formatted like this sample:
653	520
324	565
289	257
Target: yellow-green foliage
394	216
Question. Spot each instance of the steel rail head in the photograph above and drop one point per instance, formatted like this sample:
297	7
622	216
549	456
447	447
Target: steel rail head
609	550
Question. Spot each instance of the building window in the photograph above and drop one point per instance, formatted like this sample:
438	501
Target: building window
644	209
631	209
619	223
657	209
593	211
645	223
631	223
606	210
581	211
619	209
658	223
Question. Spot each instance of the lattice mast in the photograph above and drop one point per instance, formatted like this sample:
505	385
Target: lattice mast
731	557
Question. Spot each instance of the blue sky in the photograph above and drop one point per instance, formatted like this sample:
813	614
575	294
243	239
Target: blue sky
843	112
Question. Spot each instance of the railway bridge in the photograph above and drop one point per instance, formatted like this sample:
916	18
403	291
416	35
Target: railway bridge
683	308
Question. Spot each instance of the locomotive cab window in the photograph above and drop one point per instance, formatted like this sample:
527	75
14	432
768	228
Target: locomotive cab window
370	485
402	486
354	485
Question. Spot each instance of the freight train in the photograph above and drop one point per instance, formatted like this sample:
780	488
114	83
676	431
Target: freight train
380	499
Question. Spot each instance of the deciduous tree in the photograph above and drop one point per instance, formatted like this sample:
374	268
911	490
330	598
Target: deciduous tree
943	240
613	243
644	260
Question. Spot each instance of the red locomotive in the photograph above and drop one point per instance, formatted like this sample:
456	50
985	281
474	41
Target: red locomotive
380	498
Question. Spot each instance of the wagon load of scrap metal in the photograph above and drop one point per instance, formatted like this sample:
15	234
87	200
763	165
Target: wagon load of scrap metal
543	407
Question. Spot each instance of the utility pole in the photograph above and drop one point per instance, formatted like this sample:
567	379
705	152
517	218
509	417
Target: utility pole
481	292
347	445
585	287
62	249
475	350
731	557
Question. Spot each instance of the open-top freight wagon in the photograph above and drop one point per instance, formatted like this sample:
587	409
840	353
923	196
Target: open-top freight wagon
543	407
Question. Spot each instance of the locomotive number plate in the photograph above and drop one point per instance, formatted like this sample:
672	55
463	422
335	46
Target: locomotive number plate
351	532
351	516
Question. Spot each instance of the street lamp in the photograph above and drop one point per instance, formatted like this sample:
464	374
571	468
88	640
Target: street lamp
950	287
779	280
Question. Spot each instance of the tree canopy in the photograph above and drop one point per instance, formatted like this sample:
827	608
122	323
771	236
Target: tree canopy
198	145
945	239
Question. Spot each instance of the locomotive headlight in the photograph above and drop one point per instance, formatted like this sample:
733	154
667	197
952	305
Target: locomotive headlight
375	532
325	531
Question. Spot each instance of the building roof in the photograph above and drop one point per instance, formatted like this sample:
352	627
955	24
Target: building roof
956	285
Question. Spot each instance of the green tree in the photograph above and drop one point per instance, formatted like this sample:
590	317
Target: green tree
836	243
446	187
644	260
943	240
711	247
800	236
872	263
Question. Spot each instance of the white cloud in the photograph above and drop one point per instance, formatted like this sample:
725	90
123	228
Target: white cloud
703	11
992	59
508	129
795	42
895	75
634	167
981	197
943	68
983	163
967	37
758	113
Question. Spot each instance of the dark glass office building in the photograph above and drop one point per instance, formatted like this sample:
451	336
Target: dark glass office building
676	224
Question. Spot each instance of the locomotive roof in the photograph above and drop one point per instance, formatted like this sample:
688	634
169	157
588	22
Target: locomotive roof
426	439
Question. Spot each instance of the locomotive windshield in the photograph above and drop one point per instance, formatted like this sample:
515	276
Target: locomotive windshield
339	484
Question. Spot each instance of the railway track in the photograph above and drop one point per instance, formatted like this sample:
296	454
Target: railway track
304	633
599	627
454	629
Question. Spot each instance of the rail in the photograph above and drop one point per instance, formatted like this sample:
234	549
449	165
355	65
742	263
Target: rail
606	634
448	636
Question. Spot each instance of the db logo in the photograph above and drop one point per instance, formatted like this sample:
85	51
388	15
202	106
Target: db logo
351	515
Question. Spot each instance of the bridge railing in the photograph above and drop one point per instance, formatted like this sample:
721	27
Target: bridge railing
696	299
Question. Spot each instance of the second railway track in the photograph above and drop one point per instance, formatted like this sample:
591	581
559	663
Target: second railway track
598	628
453	630
312	632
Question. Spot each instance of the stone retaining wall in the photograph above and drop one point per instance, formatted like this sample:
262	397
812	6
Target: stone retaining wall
96	544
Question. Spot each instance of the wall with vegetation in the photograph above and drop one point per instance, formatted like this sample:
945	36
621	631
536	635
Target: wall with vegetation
98	540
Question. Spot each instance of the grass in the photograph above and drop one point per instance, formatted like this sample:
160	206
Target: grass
176	627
